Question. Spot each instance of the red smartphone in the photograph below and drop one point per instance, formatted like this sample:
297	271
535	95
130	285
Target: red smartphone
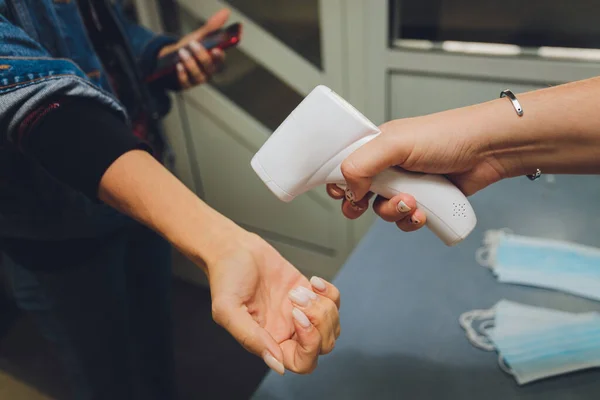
220	39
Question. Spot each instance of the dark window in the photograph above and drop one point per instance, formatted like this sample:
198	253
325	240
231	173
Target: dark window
526	23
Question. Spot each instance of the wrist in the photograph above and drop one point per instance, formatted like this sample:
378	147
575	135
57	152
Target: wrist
221	237
514	145
206	236
549	135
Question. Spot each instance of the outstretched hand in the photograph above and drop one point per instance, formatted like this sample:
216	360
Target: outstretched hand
271	309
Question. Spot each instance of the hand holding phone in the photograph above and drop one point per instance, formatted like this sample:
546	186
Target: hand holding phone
220	39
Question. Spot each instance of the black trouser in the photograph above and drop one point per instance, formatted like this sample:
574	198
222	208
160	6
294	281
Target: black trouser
106	304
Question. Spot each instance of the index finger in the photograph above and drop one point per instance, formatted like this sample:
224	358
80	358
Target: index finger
370	159
216	21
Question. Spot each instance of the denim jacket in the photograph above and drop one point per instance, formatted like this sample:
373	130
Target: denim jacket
45	51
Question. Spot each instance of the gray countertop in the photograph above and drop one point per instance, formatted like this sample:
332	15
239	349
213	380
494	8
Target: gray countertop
402	295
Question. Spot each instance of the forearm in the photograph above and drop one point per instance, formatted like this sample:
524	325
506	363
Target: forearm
137	185
89	148
559	131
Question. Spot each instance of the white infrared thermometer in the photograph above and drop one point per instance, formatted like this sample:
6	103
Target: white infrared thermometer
308	148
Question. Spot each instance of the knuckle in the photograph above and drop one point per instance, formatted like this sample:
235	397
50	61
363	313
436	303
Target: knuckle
349	169
331	314
318	314
328	348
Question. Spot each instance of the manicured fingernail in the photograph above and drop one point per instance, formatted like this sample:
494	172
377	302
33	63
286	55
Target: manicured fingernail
301	318
338	190
184	54
311	295
195	46
180	67
414	220
299	297
318	283
273	363
350	195
356	207
402	207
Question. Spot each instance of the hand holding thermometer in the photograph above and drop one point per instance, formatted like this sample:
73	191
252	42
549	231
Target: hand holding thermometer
220	39
308	148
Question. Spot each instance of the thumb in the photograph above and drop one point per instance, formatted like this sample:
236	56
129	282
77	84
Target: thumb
370	159
238	322
216	21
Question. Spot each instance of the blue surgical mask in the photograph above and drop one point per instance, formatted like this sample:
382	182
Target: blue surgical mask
544	263
535	343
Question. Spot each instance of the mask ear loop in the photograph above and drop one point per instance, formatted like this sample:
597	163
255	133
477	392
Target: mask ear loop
486	326
486	255
481	339
477	339
483	257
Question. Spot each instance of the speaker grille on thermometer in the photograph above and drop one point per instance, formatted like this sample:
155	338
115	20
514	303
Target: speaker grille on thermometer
459	210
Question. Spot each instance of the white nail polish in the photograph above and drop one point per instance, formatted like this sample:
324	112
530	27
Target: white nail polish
195	46
273	363
402	207
318	283
180	67
299	297
357	208
414	220
301	318
184	54
311	295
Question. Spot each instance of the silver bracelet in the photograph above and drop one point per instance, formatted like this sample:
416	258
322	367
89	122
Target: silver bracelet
513	100
519	110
